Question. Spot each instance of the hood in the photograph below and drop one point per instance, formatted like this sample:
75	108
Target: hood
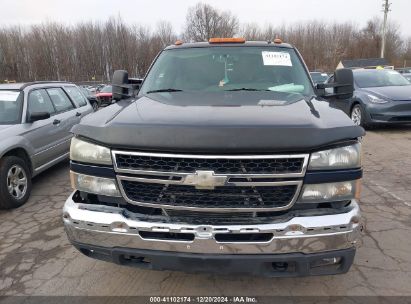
395	93
8	131
219	122
3	129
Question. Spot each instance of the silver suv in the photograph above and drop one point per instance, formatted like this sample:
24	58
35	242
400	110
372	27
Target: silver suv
35	123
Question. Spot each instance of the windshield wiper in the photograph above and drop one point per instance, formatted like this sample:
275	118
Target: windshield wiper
247	89
164	90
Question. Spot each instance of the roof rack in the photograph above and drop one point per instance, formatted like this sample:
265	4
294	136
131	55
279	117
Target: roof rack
27	84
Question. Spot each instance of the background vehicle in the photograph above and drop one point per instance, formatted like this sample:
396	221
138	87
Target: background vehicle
404	70
407	76
35	123
95	103
380	97
319	77
221	164
105	95
99	87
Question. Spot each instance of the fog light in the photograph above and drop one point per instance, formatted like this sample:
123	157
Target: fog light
326	262
280	266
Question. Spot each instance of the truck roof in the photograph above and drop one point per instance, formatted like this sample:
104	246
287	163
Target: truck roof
245	44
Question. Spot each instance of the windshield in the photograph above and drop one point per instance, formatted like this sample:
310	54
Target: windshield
85	91
218	69
319	77
379	78
106	89
10	107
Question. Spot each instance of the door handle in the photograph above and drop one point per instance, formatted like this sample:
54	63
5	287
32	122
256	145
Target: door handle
56	122
78	114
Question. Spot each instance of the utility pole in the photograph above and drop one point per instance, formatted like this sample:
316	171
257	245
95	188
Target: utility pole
386	8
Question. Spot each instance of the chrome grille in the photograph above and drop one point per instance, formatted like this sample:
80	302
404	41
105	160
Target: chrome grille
208	182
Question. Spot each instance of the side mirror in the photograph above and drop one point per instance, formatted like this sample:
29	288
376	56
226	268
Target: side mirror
345	83
120	85
38	116
343	86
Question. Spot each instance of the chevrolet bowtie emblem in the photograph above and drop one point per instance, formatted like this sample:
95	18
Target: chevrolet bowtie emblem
205	180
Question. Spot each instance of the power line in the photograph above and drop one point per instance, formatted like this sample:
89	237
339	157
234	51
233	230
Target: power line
386	9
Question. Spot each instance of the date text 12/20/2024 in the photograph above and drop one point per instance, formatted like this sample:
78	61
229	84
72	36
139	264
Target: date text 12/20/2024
202	299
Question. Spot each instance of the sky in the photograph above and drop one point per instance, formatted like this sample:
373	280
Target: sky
149	12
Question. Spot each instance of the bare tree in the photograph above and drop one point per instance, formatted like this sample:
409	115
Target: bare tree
251	31
92	50
204	22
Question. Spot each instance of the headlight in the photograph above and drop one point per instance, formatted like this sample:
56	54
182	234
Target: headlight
94	184
338	158
86	152
330	192
376	99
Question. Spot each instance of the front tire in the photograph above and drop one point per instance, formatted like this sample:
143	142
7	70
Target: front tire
15	182
95	106
357	115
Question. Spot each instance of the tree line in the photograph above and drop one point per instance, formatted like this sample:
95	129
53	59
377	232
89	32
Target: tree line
91	51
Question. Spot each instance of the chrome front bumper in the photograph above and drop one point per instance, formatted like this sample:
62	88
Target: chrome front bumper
309	234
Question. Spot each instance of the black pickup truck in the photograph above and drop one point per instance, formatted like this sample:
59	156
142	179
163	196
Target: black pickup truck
227	159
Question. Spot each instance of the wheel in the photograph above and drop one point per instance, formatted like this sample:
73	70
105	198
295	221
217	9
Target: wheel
95	106
357	115
15	182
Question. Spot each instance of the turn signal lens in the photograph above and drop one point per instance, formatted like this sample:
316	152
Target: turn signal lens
329	192
94	184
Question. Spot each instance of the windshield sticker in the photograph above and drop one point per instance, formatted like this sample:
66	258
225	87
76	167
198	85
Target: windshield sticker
9	95
276	58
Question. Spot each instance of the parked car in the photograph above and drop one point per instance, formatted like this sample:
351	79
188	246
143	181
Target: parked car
407	76
226	161
35	123
319	77
99	87
105	95
95	103
404	70
380	97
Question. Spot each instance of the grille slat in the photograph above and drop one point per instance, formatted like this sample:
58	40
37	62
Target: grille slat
220	197
219	166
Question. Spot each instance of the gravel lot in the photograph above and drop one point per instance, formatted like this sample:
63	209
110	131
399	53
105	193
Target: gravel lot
36	258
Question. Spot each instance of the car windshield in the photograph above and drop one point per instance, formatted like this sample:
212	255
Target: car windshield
218	69
106	89
379	78
10	107
319	77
